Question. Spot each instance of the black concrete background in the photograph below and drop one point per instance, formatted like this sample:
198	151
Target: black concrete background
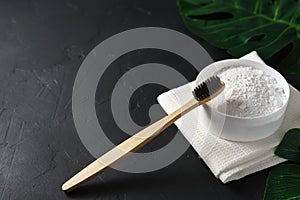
42	44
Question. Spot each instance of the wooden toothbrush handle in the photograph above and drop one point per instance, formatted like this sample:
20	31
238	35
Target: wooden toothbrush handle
129	145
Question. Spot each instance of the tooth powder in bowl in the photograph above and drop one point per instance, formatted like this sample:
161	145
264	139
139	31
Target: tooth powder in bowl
252	105
250	92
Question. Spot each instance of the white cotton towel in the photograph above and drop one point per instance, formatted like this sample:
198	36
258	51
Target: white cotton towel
230	160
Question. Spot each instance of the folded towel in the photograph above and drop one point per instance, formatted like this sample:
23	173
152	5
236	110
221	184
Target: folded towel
230	160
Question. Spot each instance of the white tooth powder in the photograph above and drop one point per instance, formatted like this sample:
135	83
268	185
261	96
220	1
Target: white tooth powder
250	92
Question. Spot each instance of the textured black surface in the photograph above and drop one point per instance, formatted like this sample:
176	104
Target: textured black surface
42	44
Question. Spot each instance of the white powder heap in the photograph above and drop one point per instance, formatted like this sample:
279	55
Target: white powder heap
250	92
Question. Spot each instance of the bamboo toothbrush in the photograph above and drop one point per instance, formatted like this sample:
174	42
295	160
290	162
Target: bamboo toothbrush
203	93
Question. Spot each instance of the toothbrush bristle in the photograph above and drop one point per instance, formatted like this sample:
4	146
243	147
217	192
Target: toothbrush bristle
207	88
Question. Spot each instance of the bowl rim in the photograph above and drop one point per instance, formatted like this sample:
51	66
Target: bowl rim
247	62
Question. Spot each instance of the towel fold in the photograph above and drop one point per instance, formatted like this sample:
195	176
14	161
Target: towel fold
230	160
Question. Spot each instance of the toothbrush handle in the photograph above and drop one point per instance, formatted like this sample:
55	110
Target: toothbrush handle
129	145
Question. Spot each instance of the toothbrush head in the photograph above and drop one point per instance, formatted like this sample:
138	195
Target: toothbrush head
208	89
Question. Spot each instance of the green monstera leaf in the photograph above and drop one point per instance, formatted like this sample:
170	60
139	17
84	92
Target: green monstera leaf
283	183
271	27
284	180
289	147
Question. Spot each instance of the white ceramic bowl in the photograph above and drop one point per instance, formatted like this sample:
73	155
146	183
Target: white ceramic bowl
238	128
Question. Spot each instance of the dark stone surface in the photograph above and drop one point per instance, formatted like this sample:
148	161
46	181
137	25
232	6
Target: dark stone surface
42	44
